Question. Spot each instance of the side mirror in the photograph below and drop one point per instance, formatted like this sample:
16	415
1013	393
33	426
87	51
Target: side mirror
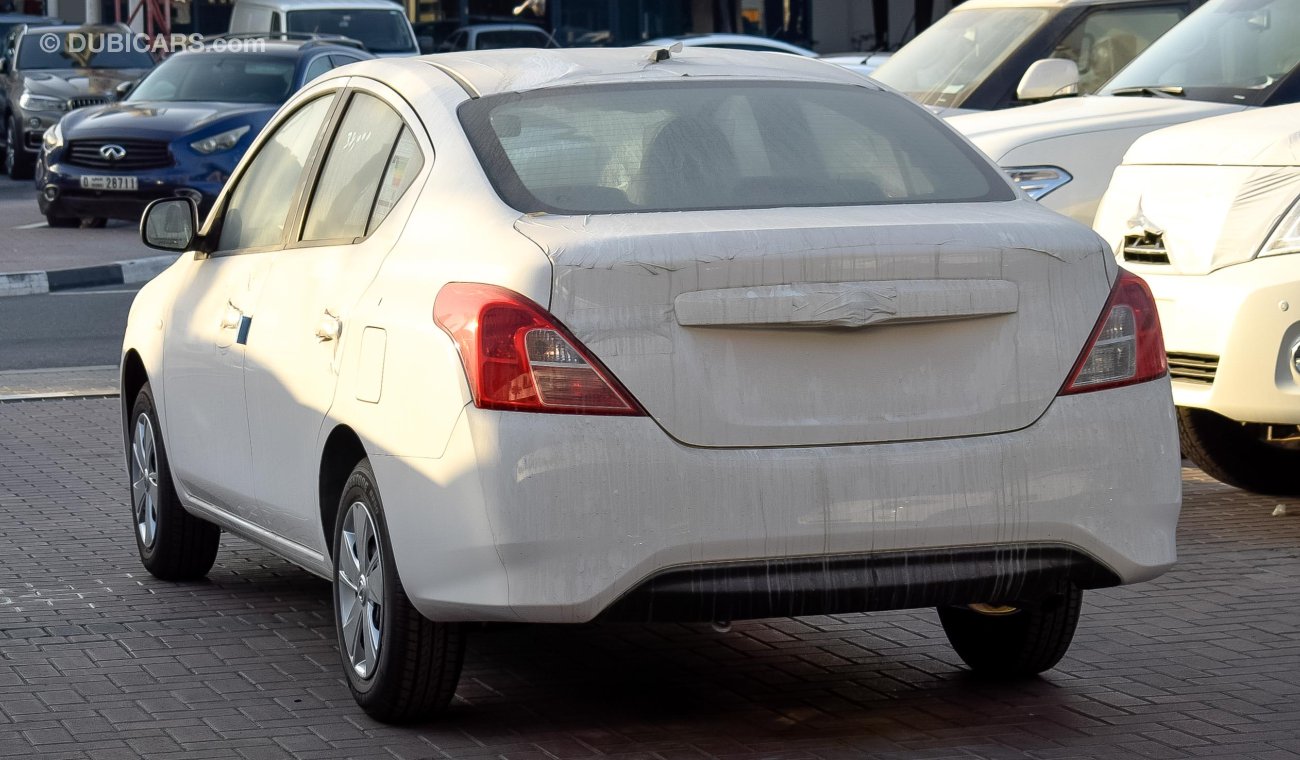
1049	78
425	43
124	89
170	224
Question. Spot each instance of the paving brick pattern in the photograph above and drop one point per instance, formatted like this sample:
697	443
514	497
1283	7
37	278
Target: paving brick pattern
100	661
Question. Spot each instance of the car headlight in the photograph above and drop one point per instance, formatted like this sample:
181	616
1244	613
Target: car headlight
1038	181
30	102
53	137
218	142
1286	235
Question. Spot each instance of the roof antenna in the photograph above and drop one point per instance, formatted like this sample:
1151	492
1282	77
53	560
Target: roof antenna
662	54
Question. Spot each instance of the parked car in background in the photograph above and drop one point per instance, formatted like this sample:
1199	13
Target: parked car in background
180	131
862	63
1228	56
694	361
1209	214
496	37
9	20
979	56
380	25
40	86
732	42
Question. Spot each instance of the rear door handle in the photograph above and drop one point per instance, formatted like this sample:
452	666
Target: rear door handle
329	327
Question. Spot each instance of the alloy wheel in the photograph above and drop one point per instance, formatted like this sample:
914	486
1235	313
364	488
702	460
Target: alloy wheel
360	590
144	480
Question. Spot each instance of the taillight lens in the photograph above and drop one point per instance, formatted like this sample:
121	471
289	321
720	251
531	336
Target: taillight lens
1126	346
518	357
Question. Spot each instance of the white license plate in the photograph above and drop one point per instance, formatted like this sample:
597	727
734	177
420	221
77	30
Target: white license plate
108	183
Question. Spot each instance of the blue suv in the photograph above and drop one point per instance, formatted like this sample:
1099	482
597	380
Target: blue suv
179	132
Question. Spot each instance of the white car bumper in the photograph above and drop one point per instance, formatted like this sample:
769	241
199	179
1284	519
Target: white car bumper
553	518
1239	327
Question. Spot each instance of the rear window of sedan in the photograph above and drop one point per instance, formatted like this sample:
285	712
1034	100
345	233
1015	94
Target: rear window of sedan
719	145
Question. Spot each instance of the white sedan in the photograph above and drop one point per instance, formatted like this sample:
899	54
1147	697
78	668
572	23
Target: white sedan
632	334
1209	213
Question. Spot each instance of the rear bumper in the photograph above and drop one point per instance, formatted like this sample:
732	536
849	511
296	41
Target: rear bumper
1236	316
550	518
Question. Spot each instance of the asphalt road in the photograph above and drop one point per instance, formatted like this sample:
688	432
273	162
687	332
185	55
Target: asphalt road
70	329
27	244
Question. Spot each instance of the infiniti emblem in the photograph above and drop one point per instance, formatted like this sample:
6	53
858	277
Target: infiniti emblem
113	152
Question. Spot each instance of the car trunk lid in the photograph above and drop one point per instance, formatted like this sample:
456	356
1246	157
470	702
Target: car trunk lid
804	327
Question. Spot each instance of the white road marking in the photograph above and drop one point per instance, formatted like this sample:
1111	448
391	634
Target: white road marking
32	226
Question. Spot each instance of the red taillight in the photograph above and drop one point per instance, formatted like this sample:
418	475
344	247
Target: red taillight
1126	346
517	357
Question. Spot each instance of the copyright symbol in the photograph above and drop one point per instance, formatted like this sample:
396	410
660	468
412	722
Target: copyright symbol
49	42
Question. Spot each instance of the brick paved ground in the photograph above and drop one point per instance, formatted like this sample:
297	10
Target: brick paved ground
98	660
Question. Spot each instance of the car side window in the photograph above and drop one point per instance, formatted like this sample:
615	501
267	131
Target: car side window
1105	40
316	68
371	149
342	60
275	22
460	41
259	206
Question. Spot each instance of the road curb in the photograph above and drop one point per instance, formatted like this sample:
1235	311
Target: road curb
118	273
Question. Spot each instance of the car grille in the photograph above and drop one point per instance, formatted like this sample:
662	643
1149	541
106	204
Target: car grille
140	154
1147	248
1194	368
85	102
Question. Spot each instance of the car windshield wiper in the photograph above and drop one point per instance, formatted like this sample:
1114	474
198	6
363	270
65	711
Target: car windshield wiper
1157	91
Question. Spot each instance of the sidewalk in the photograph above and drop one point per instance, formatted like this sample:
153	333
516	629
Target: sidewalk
69	382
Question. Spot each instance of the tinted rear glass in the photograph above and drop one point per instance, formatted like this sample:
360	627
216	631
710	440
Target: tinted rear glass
512	38
717	145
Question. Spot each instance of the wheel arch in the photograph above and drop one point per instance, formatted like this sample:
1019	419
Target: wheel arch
342	450
133	378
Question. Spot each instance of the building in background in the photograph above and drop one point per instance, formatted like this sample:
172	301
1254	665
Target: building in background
827	26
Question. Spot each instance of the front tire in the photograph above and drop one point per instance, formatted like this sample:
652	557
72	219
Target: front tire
1014	642
174	545
400	665
18	165
62	222
1236	454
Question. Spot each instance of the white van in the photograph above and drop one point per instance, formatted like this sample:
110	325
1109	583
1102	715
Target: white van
380	25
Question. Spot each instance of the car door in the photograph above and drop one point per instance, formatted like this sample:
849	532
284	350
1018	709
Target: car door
205	344
305	314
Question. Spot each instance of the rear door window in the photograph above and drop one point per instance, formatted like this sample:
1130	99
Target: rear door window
370	152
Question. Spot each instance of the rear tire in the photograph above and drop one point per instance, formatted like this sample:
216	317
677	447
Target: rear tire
174	545
400	665
93	223
1017	644
1234	453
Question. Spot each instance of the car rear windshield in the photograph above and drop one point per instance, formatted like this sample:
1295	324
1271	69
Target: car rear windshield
686	146
208	78
511	38
381	31
80	50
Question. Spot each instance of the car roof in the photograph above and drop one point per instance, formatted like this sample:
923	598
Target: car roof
489	72
313	5
977	4
85	28
502	28
278	48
